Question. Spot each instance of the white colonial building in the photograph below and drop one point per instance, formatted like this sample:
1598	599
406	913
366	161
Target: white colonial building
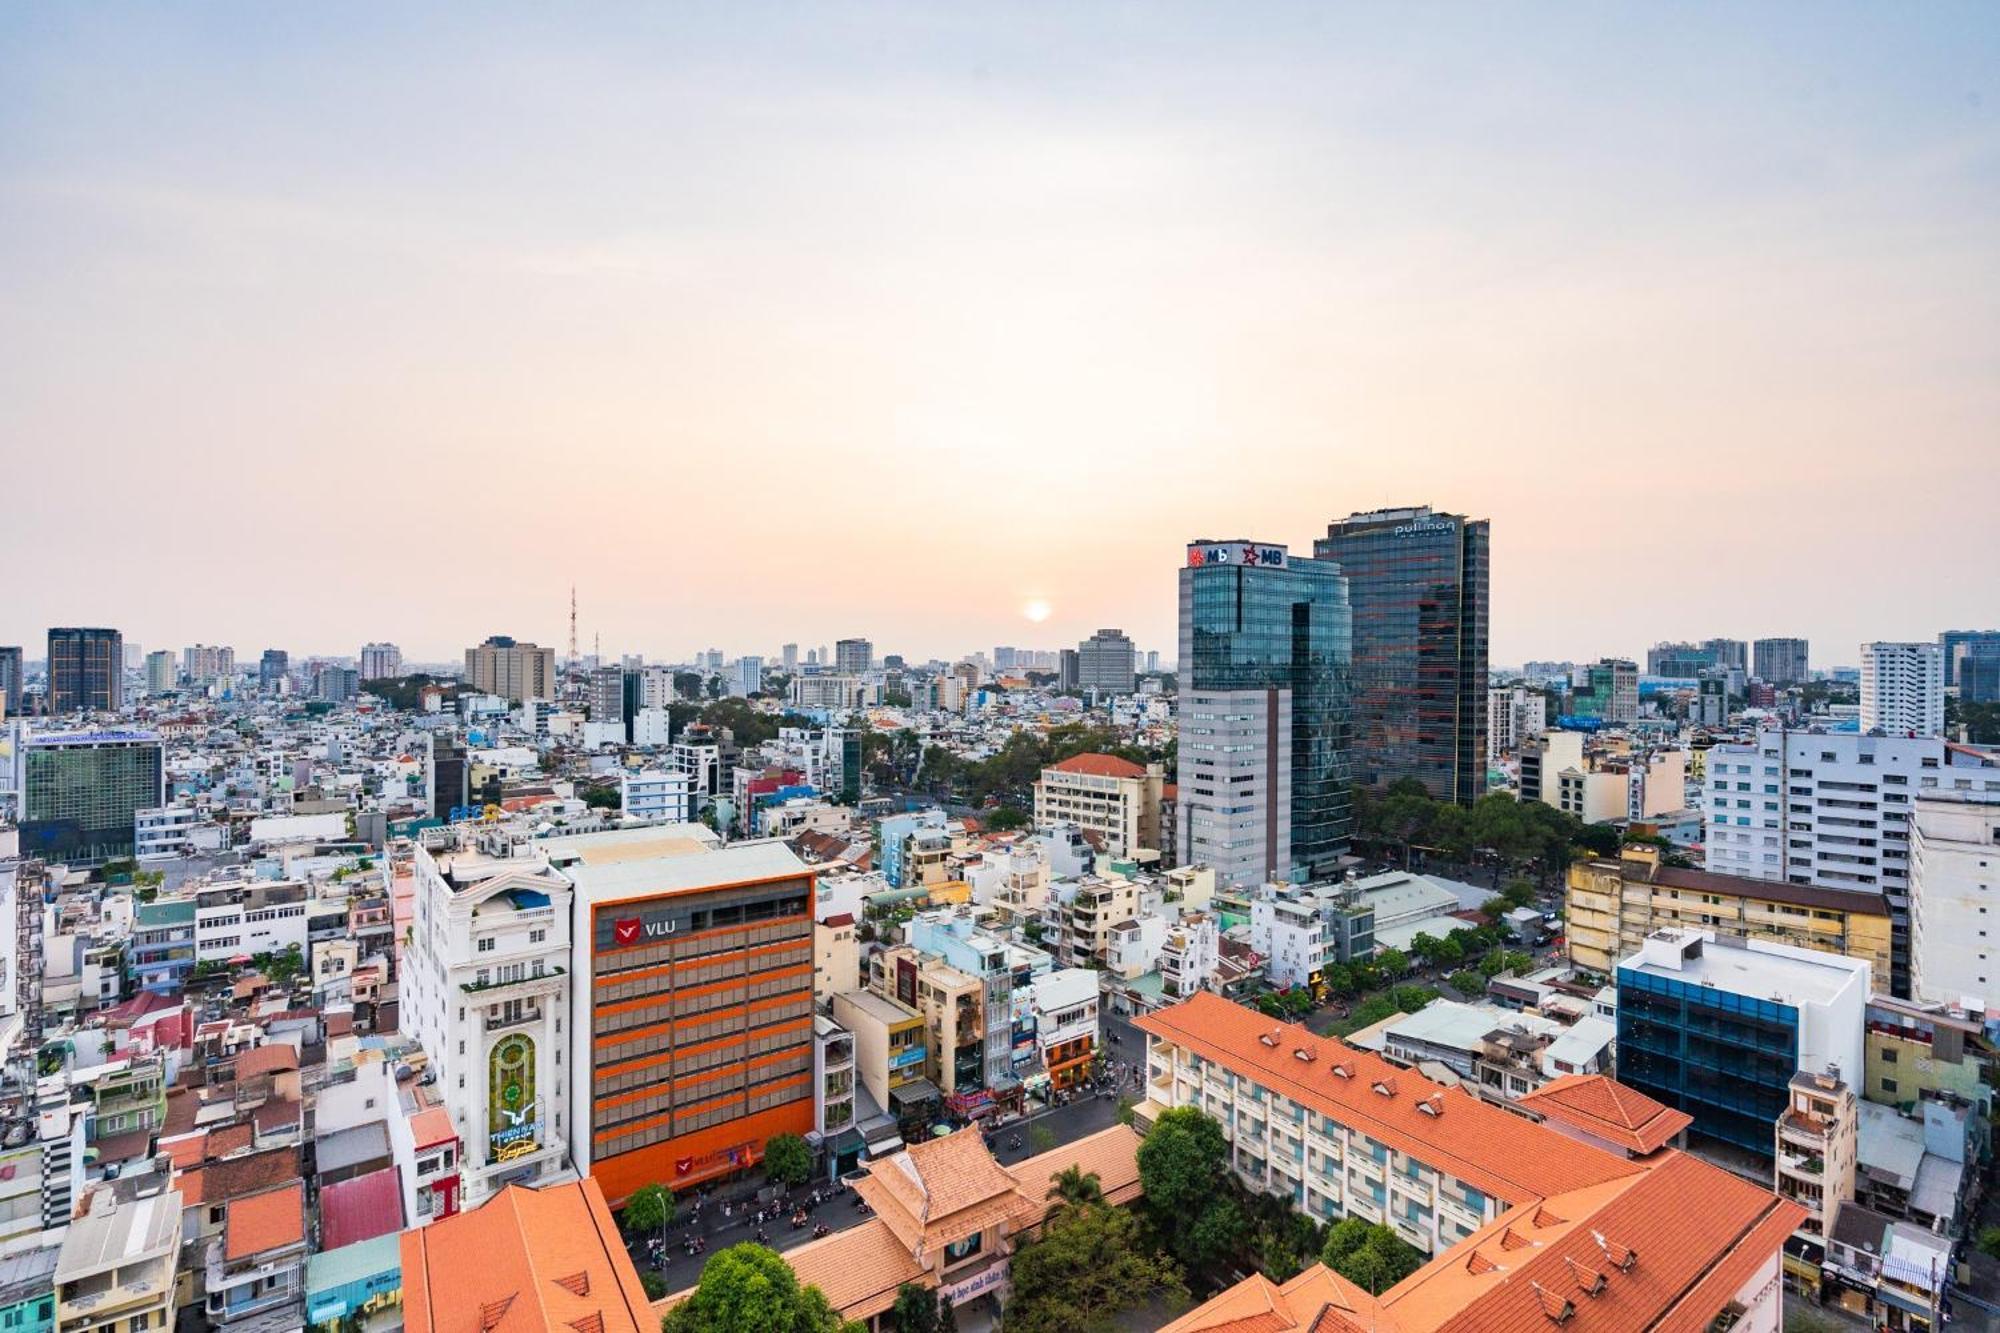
487	991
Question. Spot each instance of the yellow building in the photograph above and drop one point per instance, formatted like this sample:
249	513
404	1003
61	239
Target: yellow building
1114	798
1614	905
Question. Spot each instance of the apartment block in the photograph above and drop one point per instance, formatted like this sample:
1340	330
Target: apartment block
1114	798
1613	905
1954	905
1902	688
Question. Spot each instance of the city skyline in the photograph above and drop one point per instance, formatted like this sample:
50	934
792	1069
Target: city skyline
994	313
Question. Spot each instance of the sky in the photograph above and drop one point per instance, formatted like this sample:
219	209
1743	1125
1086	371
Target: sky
323	324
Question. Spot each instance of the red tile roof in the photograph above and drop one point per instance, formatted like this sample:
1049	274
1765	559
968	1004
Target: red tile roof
270	1058
267	1221
1100	766
360	1209
1609	1110
432	1126
1491	1149
514	1264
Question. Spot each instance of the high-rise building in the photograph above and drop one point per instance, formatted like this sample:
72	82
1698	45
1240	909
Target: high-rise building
81	790
1833	808
607	694
1958	644
86	671
1607	689
381	661
204	664
1104	663
1069	669
1515	715
1979	675
1265	648
161	673
1729	654
693	1044
336	685
1953	837
272	668
749	678
1678	661
1902	688
789	655
514	671
10	682
853	657
1780	661
1418	584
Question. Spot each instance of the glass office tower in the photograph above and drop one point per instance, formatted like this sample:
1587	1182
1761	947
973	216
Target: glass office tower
86	671
80	791
1265	644
1418	584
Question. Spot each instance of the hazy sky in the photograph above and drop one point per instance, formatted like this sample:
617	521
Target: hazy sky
327	323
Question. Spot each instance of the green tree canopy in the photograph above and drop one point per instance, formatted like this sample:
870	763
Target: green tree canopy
749	1289
919	1309
1182	1162
787	1159
1086	1267
650	1208
1074	1187
1371	1256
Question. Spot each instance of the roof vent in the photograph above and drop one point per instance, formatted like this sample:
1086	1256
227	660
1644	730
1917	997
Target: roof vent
1343	1070
1271	1038
1618	1254
1301	1053
1479	1265
1557	1308
1432	1105
1588	1280
1385	1086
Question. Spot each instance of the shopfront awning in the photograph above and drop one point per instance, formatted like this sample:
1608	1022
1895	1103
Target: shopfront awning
917	1092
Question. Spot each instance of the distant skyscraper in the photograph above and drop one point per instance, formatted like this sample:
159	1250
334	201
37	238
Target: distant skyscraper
381	661
1069	669
161	675
1902	688
86	670
1153	662
789	655
1729	654
1265	649
1979	674
272	669
80	790
1418	584
204	664
1104	663
1607	690
749	677
514	671
1958	644
10	682
337	685
1780	661
853	657
607	694
1678	661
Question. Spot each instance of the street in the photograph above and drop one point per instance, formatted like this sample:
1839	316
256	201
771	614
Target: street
1080	1118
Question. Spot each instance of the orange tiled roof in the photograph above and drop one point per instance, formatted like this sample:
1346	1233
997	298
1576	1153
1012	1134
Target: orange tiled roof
1609	1110
525	1260
1491	1149
858	1269
432	1126
268	1221
1100	766
1318	1299
270	1058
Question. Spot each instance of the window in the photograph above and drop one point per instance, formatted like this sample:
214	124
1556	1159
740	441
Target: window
486	944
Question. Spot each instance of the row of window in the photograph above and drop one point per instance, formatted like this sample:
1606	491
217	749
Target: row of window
671	1095
705	1029
693	1121
786	917
676	1005
736	963
755	1044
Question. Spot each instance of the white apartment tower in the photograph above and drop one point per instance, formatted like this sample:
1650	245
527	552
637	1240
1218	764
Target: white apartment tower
1834	809
1955	898
1235	788
1902	688
486	990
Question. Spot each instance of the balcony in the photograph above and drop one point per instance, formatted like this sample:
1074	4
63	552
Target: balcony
525	1018
1812	1169
488	988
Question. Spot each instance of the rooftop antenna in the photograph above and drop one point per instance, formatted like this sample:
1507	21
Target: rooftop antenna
572	627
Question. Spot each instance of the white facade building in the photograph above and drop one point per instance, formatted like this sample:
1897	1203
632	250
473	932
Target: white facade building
486	990
1065	1008
1834	808
1902	688
163	832
659	794
1235	788
249	919
1514	716
1955	899
1188	955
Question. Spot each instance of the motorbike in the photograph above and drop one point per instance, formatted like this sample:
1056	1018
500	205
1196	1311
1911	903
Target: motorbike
821	1229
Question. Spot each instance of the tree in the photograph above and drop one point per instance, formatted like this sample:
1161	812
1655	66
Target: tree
1086	1268
1425	946
1369	1255
1041	1138
1495	908
652	1284
602	798
919	1309
687	684
1126	1103
1449	952
1005	818
1519	892
1392	963
1339	980
1468	983
1074	1187
749	1289
1989	1242
650	1209
787	1160
1182	1162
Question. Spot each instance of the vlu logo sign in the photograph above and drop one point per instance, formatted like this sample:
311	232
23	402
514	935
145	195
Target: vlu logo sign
630	930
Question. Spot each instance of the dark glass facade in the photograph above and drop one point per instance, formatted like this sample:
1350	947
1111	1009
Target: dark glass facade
1725	1059
86	670
1418	582
1253	617
79	794
10	682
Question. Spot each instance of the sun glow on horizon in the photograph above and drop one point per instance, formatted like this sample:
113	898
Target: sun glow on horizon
1036	610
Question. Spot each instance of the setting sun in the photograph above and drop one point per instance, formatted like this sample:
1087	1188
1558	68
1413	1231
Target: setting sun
1037	611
